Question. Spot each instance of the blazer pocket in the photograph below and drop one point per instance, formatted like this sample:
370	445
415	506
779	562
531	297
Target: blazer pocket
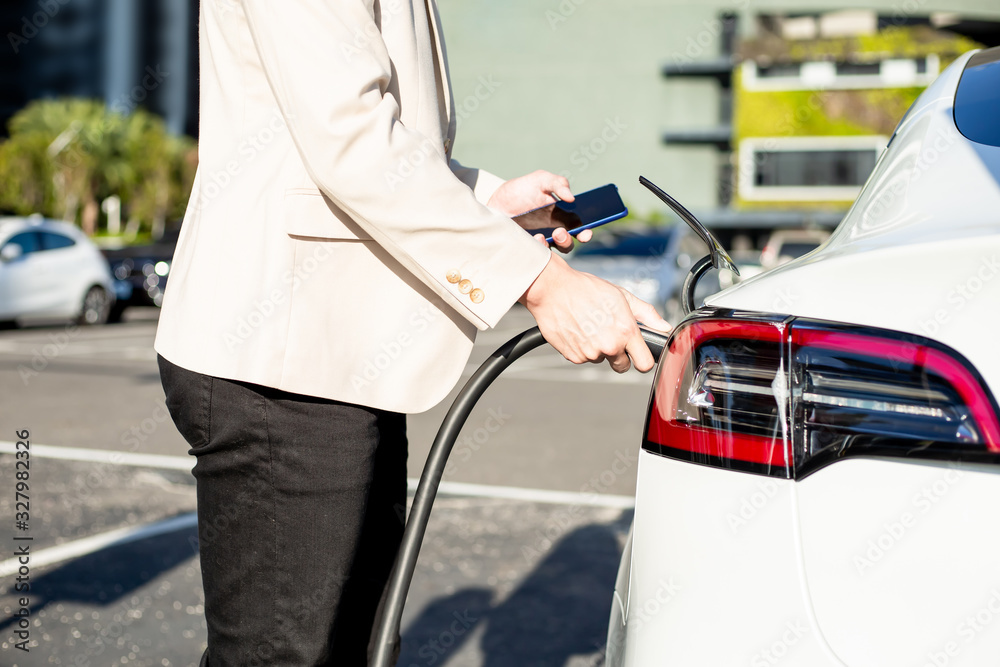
311	213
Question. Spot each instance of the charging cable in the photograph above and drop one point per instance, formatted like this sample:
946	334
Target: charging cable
430	479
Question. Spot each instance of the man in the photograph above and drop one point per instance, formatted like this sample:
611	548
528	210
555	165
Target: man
333	269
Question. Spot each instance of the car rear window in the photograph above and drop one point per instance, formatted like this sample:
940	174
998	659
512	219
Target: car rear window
53	241
794	250
28	241
977	100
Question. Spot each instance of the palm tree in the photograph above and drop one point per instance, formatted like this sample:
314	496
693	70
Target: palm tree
65	156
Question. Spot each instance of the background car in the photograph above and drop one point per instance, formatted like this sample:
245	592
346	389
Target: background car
649	263
141	272
820	470
643	262
784	245
51	270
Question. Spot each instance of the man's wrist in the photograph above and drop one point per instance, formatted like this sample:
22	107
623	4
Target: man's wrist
542	284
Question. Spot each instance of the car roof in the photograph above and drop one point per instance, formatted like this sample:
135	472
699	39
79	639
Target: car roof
800	235
11	225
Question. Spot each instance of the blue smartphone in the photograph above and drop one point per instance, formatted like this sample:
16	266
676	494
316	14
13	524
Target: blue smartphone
589	209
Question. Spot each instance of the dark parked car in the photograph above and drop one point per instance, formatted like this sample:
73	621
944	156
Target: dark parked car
141	273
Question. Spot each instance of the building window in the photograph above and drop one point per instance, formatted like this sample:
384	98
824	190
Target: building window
788	70
829	75
858	69
806	168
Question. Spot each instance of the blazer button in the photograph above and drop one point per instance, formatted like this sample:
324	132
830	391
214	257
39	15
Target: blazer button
454	276
447	144
465	286
477	295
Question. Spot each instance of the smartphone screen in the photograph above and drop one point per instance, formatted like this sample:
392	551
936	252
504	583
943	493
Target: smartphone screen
590	209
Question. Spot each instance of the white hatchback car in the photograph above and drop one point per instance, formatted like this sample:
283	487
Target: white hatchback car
51	270
819	482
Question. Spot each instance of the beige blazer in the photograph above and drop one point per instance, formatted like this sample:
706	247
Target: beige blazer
331	247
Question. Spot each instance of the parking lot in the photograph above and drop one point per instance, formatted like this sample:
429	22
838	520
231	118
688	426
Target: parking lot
517	567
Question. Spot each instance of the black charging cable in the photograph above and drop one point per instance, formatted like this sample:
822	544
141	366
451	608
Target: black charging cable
430	479
701	267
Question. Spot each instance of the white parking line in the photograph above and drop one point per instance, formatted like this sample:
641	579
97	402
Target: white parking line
28	349
104	456
89	545
447	488
532	495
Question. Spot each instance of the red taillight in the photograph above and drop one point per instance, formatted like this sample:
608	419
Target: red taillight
785	397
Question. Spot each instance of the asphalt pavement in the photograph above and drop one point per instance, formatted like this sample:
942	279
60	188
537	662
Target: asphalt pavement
517	567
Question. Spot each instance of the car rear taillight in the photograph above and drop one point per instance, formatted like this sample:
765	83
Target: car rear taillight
784	397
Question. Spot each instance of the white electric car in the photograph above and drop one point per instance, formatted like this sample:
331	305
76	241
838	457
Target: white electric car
819	482
50	270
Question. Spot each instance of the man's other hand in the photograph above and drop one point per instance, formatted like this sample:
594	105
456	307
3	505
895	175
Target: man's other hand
534	190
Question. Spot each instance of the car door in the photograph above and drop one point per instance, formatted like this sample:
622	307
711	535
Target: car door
22	292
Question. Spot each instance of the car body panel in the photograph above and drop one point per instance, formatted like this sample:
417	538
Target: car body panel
17	289
871	529
678	600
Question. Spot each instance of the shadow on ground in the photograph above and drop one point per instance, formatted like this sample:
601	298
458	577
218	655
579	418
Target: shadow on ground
559	611
105	577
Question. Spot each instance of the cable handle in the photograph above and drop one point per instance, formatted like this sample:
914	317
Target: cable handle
430	478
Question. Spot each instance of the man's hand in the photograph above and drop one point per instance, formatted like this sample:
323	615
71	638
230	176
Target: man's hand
526	193
589	319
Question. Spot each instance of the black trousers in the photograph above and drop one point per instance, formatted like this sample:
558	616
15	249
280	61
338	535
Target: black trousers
301	503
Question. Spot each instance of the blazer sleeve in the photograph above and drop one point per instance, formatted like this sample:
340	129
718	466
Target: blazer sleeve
393	181
480	181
